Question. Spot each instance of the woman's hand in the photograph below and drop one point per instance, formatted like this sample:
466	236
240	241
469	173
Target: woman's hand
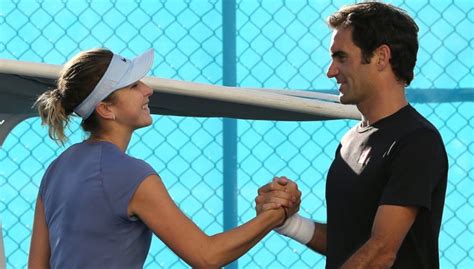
281	192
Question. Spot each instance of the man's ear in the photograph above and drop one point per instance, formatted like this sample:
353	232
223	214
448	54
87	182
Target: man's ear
382	56
104	111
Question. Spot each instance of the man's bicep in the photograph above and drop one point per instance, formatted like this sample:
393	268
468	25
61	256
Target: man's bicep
391	225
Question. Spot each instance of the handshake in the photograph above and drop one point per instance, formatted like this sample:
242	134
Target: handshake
283	194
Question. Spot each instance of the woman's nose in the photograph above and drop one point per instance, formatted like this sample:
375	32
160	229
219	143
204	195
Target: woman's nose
147	90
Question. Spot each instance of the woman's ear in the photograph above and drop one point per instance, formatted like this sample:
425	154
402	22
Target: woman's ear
104	111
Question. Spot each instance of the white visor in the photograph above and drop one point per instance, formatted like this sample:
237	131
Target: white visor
120	73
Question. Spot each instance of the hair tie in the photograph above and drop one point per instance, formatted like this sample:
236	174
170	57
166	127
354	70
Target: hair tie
57	94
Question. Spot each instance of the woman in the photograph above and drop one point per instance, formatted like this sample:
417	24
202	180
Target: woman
97	207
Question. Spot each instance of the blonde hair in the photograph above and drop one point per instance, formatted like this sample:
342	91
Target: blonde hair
76	81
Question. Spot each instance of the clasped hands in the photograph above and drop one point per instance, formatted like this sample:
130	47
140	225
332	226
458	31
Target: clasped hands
280	193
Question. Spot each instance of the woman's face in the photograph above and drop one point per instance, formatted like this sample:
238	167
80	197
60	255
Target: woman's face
131	105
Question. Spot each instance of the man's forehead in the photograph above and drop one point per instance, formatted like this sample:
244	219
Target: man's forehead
341	40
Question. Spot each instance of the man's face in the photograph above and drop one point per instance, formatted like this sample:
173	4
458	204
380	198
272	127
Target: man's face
355	78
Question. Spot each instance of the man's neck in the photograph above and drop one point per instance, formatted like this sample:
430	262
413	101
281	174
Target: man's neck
382	105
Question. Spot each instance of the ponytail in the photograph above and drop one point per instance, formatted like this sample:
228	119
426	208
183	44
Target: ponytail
78	77
53	114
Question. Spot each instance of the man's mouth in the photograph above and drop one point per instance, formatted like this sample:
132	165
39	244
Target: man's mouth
341	84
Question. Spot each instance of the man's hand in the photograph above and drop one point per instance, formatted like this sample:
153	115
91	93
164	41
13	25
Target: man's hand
284	193
281	192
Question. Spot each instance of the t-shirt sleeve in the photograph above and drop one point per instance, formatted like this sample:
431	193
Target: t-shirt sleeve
417	166
45	181
121	177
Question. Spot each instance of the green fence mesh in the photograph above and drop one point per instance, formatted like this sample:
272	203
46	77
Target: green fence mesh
280	44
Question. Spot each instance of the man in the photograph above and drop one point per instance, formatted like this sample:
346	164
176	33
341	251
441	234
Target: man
386	186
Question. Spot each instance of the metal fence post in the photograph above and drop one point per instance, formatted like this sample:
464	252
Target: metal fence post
229	125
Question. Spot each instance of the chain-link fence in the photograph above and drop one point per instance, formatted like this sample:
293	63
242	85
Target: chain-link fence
280	44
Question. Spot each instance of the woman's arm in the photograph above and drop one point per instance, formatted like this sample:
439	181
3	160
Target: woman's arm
153	205
39	248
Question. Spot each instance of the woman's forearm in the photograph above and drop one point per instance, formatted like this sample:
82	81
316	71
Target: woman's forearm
225	247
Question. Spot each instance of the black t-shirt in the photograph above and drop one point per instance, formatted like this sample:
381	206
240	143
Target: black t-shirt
399	160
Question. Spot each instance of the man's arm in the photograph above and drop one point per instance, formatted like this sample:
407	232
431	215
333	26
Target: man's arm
390	227
318	242
301	229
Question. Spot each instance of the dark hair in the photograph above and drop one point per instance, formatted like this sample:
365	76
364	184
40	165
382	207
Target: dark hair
374	24
77	80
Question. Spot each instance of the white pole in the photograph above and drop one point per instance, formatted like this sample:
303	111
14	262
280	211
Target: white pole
2	250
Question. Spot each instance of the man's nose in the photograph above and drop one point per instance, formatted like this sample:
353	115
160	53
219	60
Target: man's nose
332	70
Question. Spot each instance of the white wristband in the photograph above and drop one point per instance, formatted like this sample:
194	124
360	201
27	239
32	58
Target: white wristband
297	227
